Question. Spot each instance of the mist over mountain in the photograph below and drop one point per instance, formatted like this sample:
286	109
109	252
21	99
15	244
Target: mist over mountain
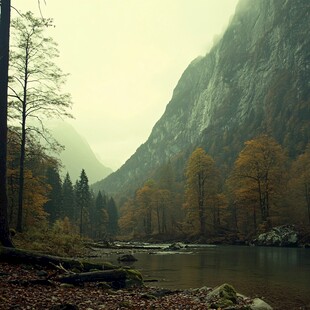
256	79
77	154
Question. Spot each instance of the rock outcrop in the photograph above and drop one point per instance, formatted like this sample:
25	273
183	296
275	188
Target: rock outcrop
284	236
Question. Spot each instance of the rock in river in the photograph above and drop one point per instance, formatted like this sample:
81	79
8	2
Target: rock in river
285	235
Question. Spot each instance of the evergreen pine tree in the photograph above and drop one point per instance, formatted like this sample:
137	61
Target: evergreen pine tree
100	216
54	206
68	203
83	200
113	217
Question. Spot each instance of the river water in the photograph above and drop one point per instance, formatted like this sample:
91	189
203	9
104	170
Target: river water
281	276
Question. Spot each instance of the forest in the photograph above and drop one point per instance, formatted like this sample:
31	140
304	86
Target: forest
264	187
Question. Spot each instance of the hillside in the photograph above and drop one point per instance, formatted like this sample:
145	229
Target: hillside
254	80
77	154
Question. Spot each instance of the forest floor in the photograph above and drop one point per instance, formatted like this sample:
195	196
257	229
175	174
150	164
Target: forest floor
18	290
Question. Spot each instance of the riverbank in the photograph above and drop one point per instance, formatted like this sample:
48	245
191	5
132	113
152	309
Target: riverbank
278	275
19	290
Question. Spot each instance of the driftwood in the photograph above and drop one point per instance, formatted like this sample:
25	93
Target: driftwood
95	276
19	256
118	277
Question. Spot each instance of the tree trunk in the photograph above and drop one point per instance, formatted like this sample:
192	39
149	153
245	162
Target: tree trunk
158	219
95	276
120	278
19	226
4	66
18	256
201	199
254	217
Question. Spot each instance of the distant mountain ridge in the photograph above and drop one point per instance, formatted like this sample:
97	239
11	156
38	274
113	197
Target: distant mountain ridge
255	79
78	154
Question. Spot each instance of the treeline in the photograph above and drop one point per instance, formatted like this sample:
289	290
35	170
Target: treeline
93	215
264	188
48	199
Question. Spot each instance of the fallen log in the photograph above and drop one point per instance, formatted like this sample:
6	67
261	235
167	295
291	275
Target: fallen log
95	276
19	256
119	278
106	272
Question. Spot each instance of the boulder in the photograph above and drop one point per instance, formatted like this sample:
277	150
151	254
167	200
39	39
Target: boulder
222	296
225	297
284	236
175	247
127	258
259	304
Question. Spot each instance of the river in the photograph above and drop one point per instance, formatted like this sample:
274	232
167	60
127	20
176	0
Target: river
281	276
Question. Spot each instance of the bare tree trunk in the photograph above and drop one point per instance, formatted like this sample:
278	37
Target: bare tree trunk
201	207
19	226
158	219
4	66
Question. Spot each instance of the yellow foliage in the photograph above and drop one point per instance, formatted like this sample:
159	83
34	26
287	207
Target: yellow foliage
299	186
59	240
201	188
259	177
35	196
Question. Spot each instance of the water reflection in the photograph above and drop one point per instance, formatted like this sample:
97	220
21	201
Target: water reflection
281	274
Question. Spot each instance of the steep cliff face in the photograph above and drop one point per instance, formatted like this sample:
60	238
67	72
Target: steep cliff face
255	79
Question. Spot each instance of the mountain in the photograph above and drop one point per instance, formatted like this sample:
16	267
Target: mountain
256	79
78	154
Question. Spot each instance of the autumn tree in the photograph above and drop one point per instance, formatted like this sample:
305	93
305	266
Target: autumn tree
161	203
144	201
35	84
258	177
129	219
36	191
167	200
5	19
201	188
299	186
35	196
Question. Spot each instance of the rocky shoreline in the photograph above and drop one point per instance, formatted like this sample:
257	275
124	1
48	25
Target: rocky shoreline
19	291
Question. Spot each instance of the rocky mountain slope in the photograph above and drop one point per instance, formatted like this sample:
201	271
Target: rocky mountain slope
255	79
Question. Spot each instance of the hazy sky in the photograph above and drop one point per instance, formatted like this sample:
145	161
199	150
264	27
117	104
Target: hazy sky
124	58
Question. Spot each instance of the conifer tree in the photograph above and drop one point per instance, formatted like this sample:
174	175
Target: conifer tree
68	202
100	217
113	217
54	205
83	200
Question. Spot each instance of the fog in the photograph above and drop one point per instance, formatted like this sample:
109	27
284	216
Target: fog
124	58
